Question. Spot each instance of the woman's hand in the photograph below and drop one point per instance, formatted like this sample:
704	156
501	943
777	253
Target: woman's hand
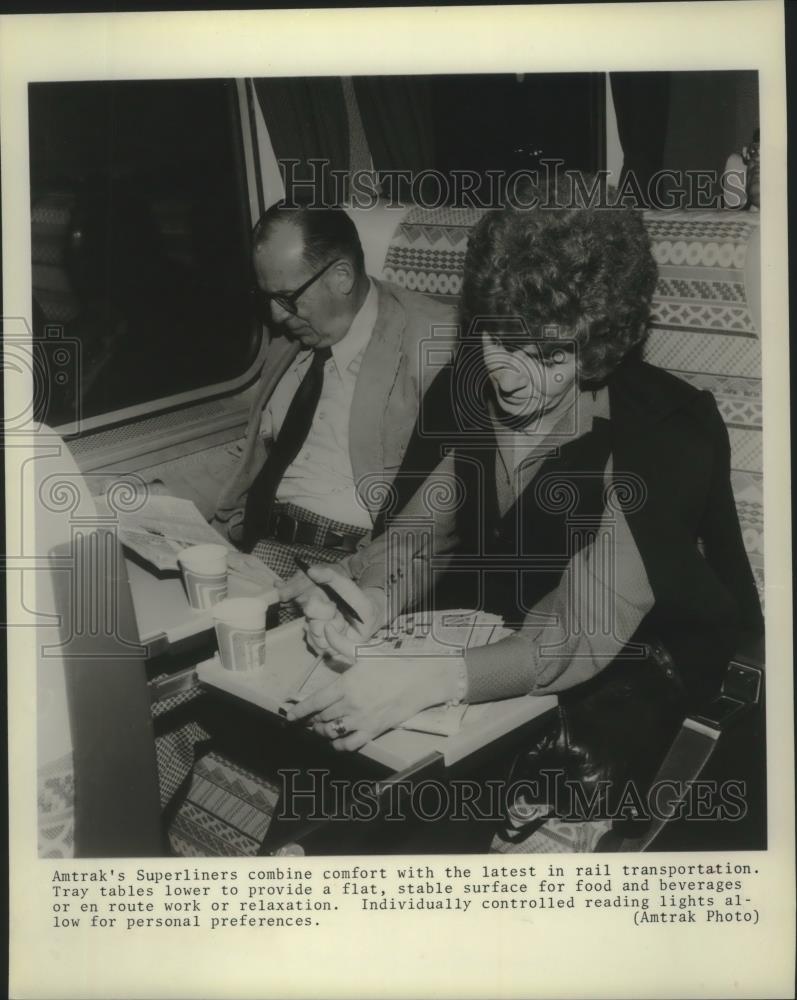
376	694
328	631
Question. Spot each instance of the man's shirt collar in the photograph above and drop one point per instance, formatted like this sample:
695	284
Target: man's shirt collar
362	326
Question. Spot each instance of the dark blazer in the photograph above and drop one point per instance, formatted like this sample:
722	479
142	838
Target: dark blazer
670	438
673	438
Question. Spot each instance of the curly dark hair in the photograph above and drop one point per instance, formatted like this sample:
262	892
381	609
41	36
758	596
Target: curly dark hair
587	271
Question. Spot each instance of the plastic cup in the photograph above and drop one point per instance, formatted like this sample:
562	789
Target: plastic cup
204	569
241	632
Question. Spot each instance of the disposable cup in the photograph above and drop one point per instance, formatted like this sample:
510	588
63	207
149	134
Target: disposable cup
204	569
241	632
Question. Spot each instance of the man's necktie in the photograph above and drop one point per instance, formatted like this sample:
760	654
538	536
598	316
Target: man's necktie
285	448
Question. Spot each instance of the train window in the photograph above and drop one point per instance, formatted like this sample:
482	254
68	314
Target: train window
140	232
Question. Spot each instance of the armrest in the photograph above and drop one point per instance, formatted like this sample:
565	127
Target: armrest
750	651
740	692
697	738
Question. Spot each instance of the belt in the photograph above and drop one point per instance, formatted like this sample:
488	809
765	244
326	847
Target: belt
284	527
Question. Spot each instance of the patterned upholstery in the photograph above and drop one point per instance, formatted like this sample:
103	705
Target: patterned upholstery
705	329
427	252
51	477
56	808
226	812
705	326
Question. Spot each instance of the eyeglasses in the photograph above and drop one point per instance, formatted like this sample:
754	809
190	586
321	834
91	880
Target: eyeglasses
288	300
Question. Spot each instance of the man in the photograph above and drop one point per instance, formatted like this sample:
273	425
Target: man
338	396
334	409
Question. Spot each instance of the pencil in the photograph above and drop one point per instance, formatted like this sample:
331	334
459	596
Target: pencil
340	602
294	698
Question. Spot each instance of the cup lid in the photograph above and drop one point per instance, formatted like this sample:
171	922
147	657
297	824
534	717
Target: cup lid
239	609
199	552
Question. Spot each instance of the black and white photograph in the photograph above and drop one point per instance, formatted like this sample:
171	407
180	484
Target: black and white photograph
394	490
506	307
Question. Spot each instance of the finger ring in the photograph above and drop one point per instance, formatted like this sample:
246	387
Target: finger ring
339	728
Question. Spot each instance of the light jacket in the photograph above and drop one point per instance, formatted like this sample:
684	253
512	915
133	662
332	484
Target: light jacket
412	340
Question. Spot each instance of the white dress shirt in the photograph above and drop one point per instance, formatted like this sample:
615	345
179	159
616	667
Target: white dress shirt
320	479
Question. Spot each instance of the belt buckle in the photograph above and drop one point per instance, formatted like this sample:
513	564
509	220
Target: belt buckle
285	528
334	540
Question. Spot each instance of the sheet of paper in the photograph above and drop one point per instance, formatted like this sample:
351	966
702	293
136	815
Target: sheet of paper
162	527
292	669
447	633
247	569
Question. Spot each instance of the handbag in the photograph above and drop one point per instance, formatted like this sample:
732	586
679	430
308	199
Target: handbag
599	756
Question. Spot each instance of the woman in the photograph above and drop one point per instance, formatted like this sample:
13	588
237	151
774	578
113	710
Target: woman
592	509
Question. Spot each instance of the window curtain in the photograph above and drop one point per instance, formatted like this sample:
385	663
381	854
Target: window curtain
641	103
306	120
397	115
